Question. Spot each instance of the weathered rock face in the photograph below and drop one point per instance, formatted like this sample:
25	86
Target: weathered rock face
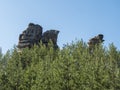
95	41
50	35
32	35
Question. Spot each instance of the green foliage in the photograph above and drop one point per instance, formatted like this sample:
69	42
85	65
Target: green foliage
71	68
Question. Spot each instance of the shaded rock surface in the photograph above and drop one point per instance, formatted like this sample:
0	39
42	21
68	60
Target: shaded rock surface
50	35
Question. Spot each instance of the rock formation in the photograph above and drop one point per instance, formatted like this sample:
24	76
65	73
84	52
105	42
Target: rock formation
30	36
33	35
50	35
95	41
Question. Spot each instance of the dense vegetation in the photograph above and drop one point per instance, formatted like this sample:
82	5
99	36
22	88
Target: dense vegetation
71	68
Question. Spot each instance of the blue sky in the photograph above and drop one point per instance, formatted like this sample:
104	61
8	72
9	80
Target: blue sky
75	19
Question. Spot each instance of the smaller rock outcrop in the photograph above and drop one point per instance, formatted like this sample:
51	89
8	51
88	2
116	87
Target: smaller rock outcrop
95	41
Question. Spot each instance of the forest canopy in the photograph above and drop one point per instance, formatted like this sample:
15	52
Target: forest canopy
70	68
